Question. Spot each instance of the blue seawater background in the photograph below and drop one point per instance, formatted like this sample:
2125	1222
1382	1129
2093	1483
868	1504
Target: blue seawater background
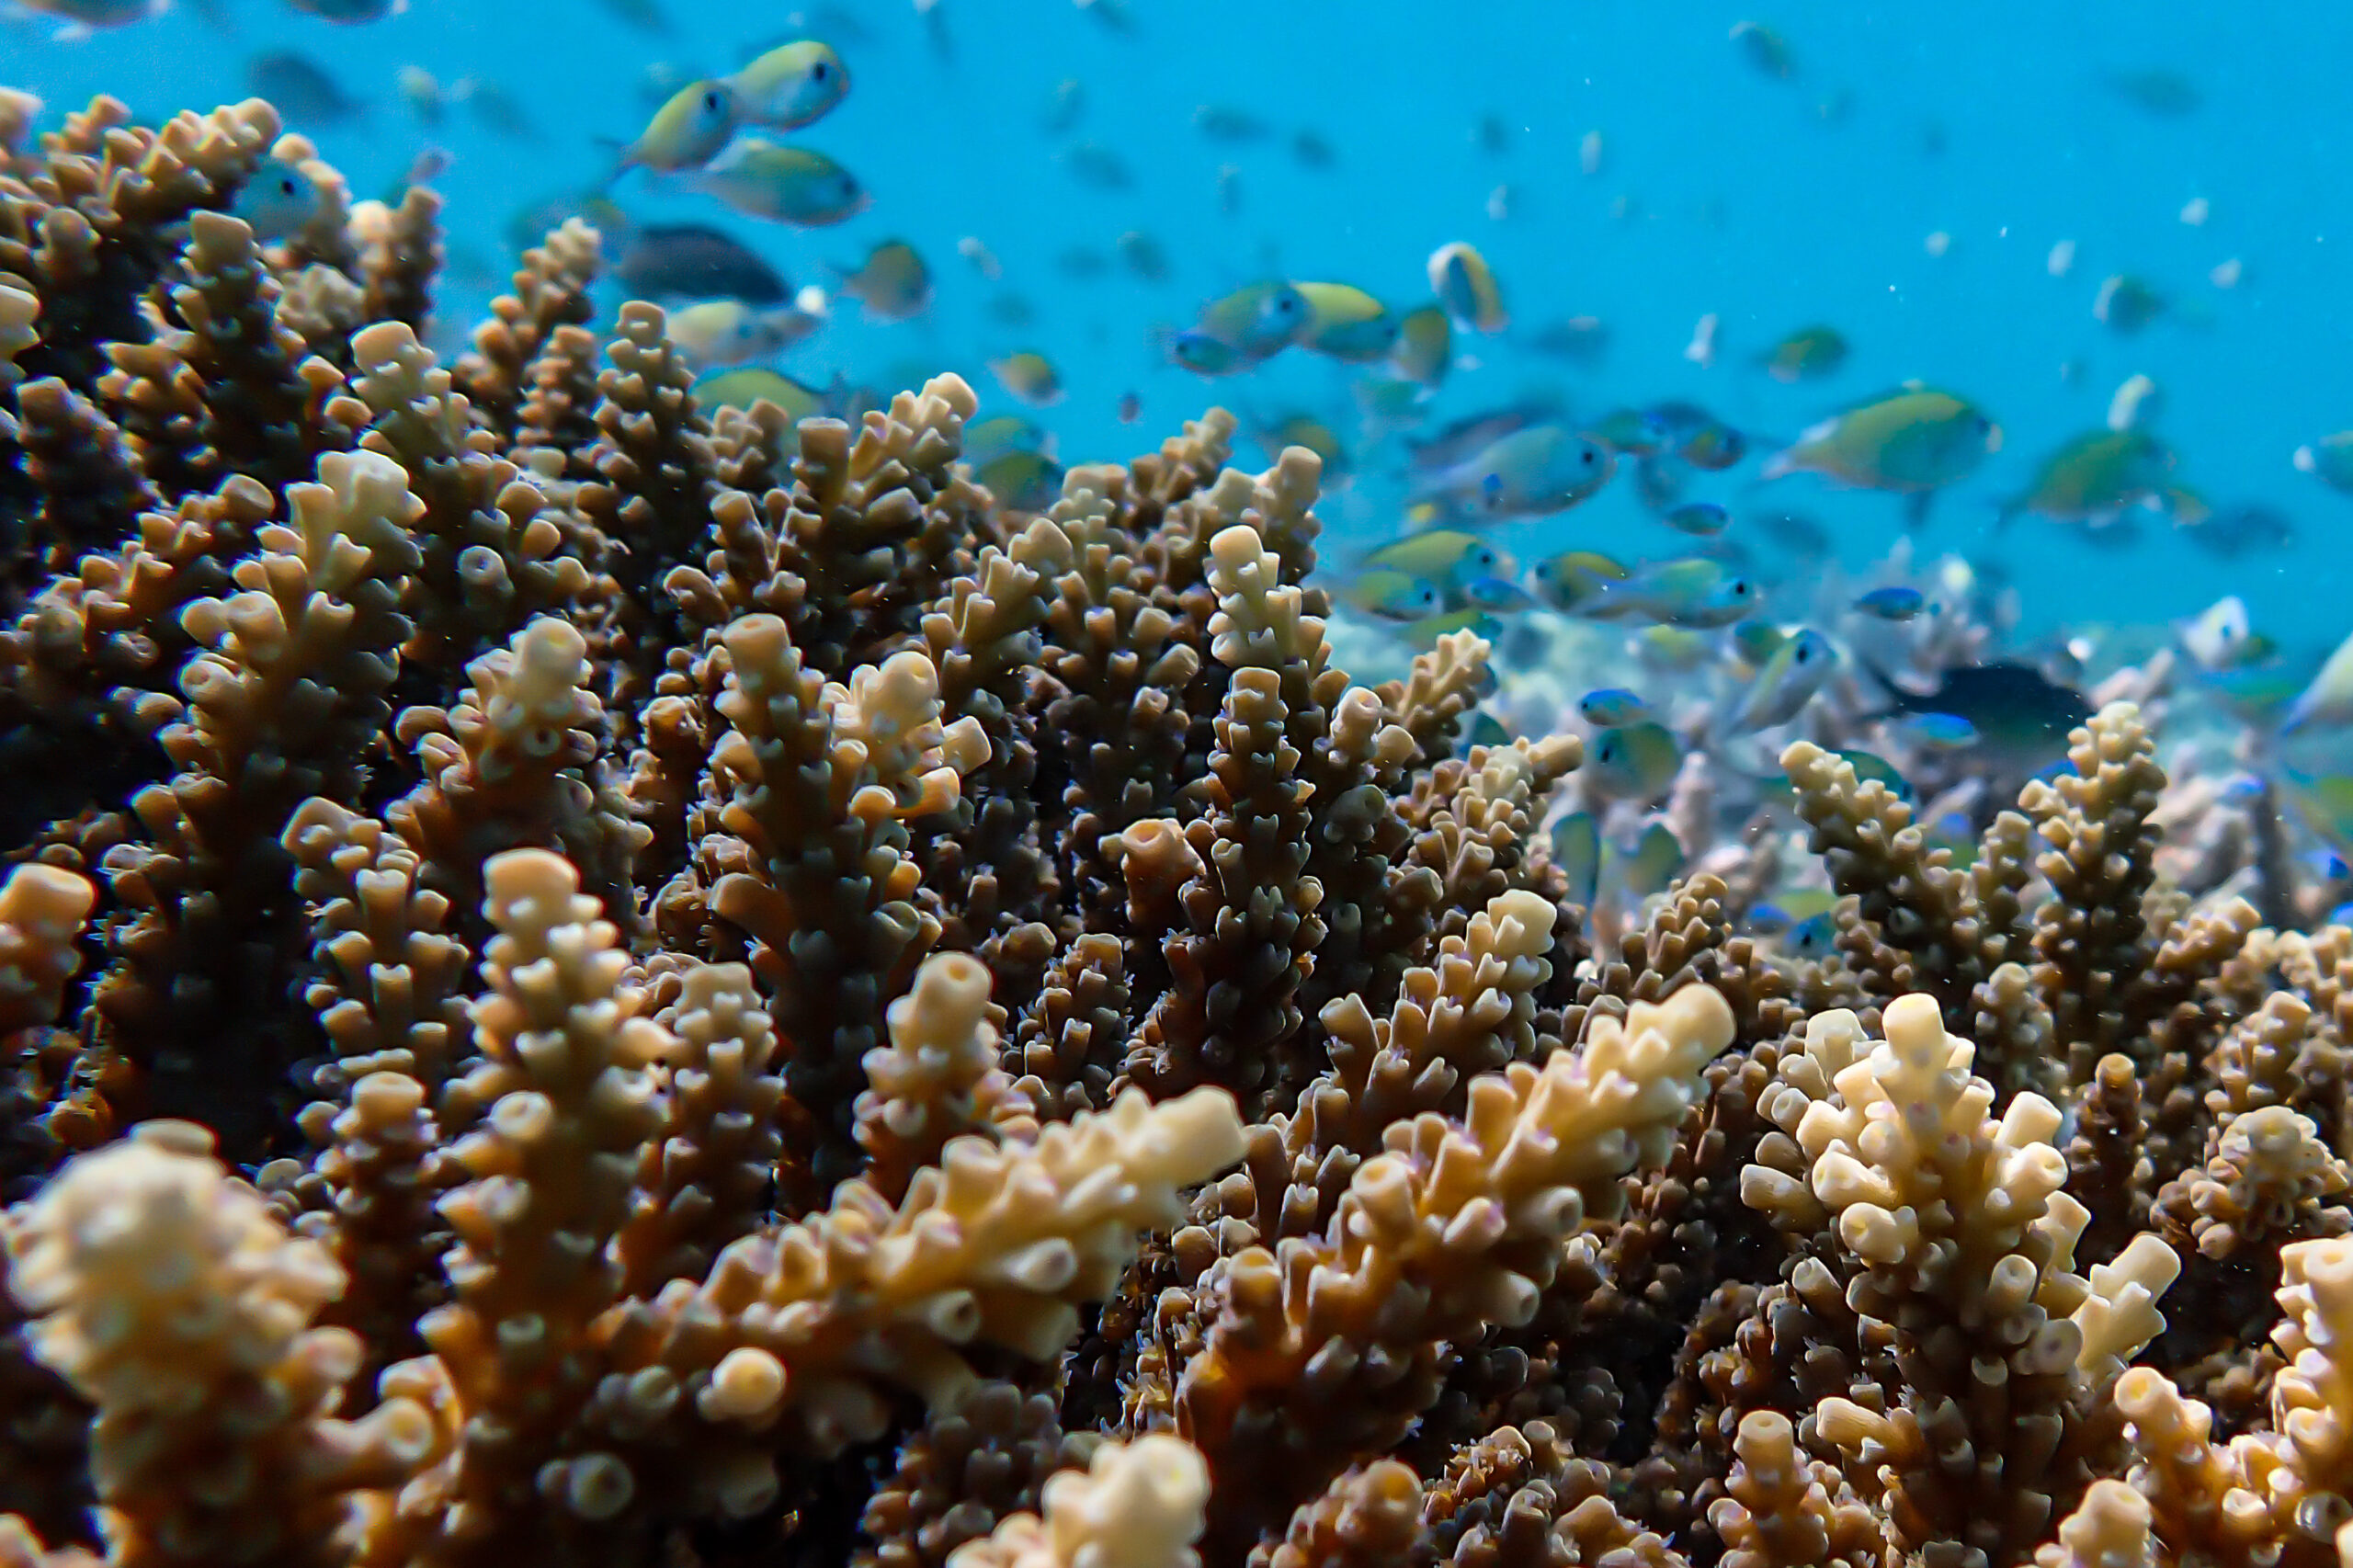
1994	123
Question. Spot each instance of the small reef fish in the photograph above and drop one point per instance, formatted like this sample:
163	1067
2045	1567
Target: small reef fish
1756	641
2094	478
2330	460
1529	473
1423	635
1657	861
790	184
1312	151
687	133
1692	592
279	201
891	283
1894	603
1575	578
1498	594
1813	938
1786	683
1466	288
1142	255
1223	122
302	89
2168	95
1809	353
1258	319
1027	482
792	85
719	335
1064	107
1392	594
2126	304
1609	707
2328	700
1029	376
1633	762
1913	442
1440	552
349	12
1306	430
1577	849
1424	347
1767	51
1345	322
2014	710
2218	636
741	389
1700	519
1094	165
696	261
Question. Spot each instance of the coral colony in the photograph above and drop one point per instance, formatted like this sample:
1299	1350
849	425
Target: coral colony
587	981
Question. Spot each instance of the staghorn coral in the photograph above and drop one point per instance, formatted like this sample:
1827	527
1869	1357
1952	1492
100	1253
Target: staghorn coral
726	950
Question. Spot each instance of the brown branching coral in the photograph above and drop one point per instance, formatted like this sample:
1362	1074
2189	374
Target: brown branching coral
782	1011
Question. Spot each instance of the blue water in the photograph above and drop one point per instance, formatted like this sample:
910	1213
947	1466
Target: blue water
1992	123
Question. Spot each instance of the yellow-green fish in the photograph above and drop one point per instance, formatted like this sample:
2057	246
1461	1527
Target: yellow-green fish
2125	304
1673	650
1026	481
893	282
1785	683
1143	256
1693	591
1808	354
718	335
1913	442
1466	288
1633	762
1577	577
2095	477
790	184
1529	473
2330	460
1577	849
1002	433
1029	376
792	85
686	132
2329	698
1657	861
1392	594
1425	348
1423	635
1256	320
741	389
1306	430
1441	553
1767	51
1345	322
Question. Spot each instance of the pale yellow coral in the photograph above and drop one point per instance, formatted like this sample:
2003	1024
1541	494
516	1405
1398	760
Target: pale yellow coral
891	714
42	910
171	1298
1259	619
1137	1505
19	309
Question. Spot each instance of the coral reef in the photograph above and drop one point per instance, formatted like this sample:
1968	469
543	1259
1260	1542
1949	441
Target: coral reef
589	982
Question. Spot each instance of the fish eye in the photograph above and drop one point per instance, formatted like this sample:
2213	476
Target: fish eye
1803	653
711	100
1586	456
817	71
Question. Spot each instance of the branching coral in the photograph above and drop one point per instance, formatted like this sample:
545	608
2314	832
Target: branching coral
779	1009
